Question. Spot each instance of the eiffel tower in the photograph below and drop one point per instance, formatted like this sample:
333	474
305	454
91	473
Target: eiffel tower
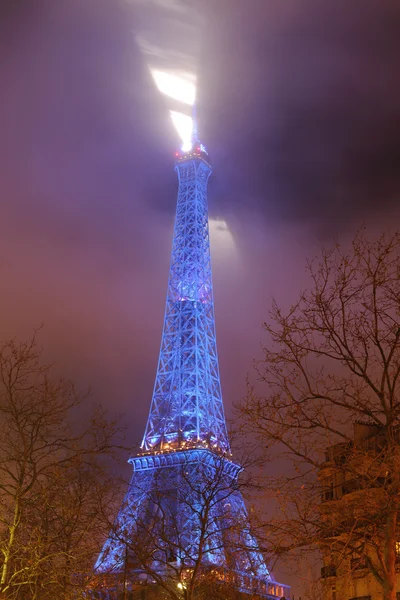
183	522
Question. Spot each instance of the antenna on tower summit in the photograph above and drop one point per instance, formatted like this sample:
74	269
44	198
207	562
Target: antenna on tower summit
195	130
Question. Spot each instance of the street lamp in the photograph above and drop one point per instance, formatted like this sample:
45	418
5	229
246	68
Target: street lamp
181	586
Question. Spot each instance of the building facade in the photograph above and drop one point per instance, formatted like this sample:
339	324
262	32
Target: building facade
358	490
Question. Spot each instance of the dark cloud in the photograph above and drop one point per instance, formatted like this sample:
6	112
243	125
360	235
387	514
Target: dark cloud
308	102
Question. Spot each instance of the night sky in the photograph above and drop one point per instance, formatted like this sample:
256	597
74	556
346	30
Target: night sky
299	106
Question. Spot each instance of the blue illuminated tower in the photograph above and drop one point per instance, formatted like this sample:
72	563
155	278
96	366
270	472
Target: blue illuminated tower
187	401
183	510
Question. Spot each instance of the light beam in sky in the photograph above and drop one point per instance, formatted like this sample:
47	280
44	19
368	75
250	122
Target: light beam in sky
184	126
220	232
171	50
181	87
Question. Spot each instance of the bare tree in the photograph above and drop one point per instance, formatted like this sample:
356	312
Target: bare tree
50	470
183	532
63	531
333	362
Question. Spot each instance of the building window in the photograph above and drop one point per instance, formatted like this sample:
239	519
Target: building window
327	493
358	562
328	571
352	485
397	551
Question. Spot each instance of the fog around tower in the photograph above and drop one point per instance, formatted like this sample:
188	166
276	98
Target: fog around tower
299	110
299	107
169	37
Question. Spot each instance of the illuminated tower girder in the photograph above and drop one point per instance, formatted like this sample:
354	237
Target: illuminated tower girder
187	400
185	464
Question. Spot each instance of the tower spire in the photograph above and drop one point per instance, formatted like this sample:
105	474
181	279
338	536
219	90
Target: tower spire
195	130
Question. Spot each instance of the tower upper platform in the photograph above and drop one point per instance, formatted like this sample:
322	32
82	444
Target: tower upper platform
197	151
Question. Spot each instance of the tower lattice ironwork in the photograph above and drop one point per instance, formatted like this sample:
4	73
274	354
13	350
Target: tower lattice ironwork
187	400
183	510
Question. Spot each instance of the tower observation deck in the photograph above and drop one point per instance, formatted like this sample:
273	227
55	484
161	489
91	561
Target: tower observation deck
183	521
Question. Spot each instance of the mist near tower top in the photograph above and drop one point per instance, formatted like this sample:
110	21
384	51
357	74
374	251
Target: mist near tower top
168	34
303	96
